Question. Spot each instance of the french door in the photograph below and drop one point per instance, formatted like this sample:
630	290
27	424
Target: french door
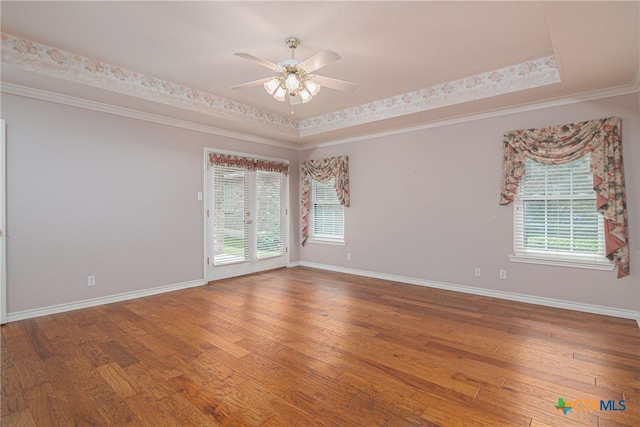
247	221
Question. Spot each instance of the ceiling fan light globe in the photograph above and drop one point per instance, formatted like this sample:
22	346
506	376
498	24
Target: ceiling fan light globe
271	86
312	87
292	83
294	99
280	94
305	96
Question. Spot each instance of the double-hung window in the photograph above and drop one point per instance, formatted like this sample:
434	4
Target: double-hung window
555	216
326	214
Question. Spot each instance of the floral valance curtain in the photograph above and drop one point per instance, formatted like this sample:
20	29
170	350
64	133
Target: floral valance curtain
600	138
248	163
323	170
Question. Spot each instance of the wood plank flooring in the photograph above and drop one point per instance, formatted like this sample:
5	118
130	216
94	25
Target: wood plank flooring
304	347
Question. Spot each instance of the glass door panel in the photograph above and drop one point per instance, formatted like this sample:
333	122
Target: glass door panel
247	221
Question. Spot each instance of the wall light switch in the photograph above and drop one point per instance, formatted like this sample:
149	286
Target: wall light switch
199	195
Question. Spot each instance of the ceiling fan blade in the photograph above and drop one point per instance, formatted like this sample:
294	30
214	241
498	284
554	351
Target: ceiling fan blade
260	61
251	84
336	84
319	60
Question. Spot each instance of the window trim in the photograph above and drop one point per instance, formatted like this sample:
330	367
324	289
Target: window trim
327	241
561	262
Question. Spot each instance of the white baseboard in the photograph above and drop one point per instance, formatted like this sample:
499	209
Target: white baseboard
548	302
61	308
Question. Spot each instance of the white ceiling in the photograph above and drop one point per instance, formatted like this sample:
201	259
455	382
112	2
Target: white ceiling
387	48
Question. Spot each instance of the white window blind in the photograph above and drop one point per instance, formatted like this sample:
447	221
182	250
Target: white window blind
555	214
230	205
270	214
326	214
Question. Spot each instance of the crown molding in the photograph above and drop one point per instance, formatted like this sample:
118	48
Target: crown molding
35	57
135	114
28	55
155	118
574	99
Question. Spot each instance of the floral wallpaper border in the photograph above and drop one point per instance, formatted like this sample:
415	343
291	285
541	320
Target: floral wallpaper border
35	57
31	56
536	73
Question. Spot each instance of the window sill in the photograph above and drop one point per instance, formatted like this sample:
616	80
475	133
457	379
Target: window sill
574	263
326	241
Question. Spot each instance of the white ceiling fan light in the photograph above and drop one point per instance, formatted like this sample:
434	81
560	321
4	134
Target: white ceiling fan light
312	87
280	93
272	85
292	83
295	78
305	95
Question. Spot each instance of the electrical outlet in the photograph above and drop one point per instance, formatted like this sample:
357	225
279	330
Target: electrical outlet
91	281
348	256
503	274
476	272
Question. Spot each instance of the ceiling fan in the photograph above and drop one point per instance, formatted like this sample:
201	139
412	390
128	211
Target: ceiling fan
295	77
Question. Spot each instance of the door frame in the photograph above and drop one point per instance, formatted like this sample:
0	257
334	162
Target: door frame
207	200
3	223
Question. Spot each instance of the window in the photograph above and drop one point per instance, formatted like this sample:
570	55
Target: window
326	216
555	216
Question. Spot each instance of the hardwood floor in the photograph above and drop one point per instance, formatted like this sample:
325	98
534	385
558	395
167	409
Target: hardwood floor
304	347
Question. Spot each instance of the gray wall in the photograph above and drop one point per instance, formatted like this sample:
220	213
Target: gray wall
90	193
424	205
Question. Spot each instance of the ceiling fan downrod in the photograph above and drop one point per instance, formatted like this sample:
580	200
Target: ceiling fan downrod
293	43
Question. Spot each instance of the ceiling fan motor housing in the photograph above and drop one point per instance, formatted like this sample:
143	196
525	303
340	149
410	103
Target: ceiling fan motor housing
293	42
